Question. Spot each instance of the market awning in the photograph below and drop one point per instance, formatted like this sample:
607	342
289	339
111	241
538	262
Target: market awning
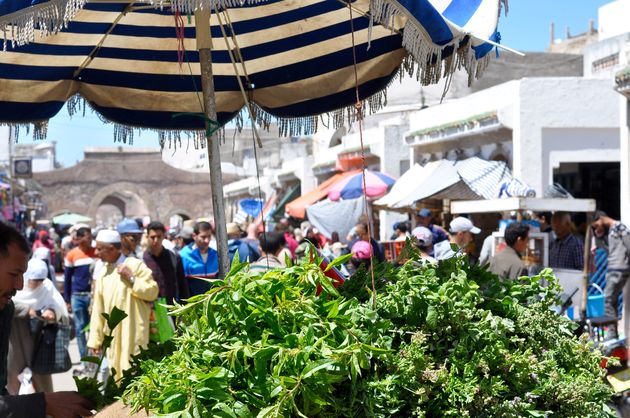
70	219
291	195
297	208
248	186
472	178
401	188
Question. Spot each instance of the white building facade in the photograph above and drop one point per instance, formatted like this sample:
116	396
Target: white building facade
535	124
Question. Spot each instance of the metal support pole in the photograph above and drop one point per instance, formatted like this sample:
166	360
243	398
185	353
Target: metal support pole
12	173
587	267
204	45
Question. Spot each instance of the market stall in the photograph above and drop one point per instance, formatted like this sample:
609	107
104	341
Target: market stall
539	245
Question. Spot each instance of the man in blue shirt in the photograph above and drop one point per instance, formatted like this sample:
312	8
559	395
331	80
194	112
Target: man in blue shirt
424	218
566	251
235	243
200	261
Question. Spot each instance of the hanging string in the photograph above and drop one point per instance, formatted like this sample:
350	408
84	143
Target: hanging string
260	198
180	34
358	107
250	85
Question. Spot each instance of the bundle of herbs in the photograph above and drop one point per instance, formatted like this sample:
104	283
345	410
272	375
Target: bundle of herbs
451	340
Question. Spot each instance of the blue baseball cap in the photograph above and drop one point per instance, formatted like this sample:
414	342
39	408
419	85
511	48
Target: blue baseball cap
425	213
128	226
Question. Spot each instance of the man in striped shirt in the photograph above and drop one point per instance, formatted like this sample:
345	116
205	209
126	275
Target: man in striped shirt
77	283
271	245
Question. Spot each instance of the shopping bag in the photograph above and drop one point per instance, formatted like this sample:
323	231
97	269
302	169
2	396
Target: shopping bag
26	382
161	326
51	350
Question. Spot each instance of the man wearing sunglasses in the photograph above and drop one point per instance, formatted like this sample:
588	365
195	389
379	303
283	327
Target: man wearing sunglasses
130	237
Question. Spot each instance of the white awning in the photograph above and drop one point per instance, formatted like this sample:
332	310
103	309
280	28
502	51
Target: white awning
401	188
472	178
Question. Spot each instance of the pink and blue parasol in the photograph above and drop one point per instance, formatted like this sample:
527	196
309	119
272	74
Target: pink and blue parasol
351	187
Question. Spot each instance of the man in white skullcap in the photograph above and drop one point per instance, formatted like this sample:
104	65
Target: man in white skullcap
126	283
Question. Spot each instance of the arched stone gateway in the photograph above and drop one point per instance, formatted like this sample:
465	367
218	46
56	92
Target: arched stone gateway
133	180
133	200
115	201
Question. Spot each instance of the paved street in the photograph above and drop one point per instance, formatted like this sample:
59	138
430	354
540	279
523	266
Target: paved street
64	381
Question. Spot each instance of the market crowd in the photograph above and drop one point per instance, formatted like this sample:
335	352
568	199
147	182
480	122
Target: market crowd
139	267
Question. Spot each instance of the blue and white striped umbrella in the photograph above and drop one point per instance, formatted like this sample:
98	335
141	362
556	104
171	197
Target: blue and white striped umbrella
294	57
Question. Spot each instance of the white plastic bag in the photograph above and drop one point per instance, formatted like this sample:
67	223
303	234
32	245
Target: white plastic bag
26	382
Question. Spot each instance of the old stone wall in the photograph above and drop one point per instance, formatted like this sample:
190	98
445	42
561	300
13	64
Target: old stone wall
137	179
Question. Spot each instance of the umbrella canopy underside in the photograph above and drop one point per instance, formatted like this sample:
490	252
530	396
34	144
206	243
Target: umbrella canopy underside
294	58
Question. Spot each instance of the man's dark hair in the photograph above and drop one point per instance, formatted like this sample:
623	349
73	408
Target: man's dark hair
9	235
81	232
271	242
515	231
202	226
402	227
361	225
598	215
156	226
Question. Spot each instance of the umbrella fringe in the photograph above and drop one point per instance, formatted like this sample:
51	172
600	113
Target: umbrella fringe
49	17
40	129
125	133
308	125
429	66
122	133
298	126
53	15
189	6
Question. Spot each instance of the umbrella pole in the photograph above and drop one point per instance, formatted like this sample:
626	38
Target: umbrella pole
204	45
586	268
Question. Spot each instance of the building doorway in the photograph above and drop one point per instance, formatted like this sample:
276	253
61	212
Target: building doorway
110	211
599	181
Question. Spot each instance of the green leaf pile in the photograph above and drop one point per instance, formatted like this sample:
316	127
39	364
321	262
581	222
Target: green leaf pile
451	340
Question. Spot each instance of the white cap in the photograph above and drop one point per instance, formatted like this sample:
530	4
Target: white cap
37	270
108	236
461	224
423	234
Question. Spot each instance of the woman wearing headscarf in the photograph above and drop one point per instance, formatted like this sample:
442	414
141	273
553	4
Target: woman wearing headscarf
43	254
38	298
44	240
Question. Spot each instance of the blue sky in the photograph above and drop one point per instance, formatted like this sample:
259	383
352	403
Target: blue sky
526	28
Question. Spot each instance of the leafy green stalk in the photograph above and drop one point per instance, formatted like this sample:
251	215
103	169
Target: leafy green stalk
90	387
